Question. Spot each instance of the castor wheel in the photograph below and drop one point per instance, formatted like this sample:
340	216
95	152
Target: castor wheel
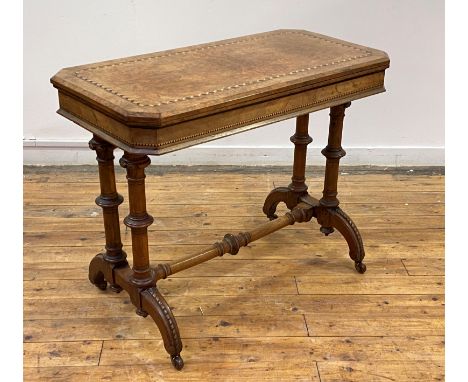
177	361
360	266
115	288
101	285
327	230
272	217
141	312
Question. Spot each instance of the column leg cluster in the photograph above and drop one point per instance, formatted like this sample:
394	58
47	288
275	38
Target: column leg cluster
109	200
326	210
112	266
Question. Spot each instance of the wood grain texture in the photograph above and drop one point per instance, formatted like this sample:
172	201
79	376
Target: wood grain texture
79	353
231	372
247	210
280	310
163	198
207	237
381	371
138	328
228	267
86	306
163	84
281	349
176	286
428	266
327	251
204	222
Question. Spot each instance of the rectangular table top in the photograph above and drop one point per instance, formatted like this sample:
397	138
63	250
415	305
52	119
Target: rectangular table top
163	101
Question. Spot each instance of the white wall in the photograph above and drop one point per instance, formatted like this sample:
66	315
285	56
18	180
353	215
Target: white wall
404	126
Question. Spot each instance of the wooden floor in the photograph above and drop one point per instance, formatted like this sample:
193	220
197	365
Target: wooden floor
288	307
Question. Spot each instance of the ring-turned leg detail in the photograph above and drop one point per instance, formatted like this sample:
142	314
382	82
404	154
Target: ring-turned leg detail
109	200
291	195
138	220
328	214
156	306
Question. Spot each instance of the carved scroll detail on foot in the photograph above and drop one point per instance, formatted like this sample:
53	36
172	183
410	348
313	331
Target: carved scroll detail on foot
337	218
96	272
102	271
276	196
154	303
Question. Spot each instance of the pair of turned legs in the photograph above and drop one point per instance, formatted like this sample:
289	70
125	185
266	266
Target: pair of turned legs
325	210
112	267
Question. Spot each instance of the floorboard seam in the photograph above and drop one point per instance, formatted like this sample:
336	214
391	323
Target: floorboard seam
404	266
297	287
318	371
307	327
100	353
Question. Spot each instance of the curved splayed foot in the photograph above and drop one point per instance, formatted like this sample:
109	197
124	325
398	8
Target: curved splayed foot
276	196
156	306
335	217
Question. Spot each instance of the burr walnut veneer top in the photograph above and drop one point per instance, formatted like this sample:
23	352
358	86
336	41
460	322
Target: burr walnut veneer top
164	89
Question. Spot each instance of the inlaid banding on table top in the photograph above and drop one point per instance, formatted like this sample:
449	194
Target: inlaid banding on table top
85	74
376	85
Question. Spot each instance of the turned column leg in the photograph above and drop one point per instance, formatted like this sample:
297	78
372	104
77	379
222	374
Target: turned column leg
300	139
333	152
109	200
290	195
138	219
329	215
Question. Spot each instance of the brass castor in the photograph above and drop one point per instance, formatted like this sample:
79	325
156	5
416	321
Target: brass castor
360	266
177	361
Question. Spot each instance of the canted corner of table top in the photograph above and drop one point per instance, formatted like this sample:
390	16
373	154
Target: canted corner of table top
164	101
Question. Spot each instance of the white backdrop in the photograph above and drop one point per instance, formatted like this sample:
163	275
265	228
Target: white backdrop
404	126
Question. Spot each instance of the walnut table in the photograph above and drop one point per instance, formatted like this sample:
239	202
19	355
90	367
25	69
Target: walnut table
161	102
